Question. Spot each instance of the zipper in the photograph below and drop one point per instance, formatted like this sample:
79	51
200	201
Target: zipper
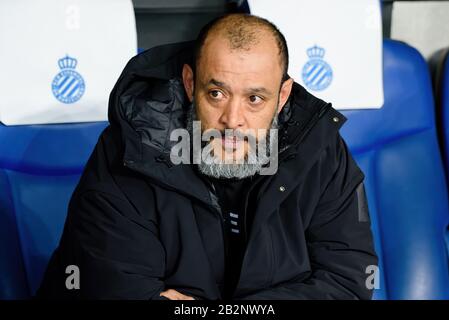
219	211
245	208
224	234
224	238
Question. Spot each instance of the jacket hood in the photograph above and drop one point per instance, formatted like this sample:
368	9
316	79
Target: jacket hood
149	101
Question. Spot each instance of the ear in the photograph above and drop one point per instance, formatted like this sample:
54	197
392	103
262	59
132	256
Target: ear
187	79
286	88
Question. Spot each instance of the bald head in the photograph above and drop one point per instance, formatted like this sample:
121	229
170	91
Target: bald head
242	32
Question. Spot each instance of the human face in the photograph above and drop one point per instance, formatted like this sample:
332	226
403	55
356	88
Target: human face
238	89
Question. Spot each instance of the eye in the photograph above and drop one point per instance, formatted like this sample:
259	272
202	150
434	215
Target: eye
255	99
216	94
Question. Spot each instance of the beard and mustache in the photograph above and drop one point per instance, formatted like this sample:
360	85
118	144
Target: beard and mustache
258	154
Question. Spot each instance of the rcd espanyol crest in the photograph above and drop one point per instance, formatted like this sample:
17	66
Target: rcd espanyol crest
316	73
68	85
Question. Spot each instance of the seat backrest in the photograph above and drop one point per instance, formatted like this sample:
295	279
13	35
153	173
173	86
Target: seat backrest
396	147
55	84
39	168
439	63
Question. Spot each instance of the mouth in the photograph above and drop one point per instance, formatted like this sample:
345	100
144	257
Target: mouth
231	142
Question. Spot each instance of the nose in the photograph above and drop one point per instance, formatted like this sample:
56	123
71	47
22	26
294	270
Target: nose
232	116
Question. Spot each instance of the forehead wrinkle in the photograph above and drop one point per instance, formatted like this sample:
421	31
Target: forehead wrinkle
241	63
258	90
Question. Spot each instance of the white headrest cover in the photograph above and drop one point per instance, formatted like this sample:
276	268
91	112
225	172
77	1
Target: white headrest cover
59	59
335	47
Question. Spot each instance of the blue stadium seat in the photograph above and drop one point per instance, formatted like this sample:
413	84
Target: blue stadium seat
440	68
48	133
397	148
39	168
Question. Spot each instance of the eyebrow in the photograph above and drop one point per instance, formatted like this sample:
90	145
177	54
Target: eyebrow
218	84
260	90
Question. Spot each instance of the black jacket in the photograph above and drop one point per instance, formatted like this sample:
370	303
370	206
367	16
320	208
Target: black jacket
138	224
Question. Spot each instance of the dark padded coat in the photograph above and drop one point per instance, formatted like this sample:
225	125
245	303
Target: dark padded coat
137	224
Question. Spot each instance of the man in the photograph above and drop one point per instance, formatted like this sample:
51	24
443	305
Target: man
143	225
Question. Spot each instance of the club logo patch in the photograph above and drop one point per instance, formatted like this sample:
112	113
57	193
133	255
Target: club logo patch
68	85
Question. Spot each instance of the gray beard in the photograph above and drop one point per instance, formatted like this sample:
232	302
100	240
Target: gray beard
213	167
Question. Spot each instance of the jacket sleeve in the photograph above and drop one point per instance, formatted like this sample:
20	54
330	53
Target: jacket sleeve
116	250
339	237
